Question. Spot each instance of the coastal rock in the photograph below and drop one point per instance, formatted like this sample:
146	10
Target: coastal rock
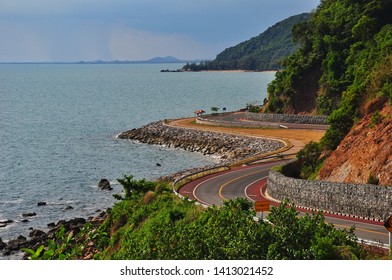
5	223
17	244
104	184
38	237
36	233
29	214
21	238
2	244
72	224
51	225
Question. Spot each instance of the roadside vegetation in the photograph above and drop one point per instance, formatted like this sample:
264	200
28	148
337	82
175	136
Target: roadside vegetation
149	222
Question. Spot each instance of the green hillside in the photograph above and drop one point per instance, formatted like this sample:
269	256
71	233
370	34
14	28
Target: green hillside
342	45
263	52
343	68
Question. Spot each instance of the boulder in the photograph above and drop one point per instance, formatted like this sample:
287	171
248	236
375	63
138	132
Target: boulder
16	244
104	184
2	244
36	233
29	214
4	223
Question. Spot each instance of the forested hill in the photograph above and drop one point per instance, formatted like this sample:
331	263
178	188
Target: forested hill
343	69
263	52
343	46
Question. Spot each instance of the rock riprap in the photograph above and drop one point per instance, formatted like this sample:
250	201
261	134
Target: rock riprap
227	147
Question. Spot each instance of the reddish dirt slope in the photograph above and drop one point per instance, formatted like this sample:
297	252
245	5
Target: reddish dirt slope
366	151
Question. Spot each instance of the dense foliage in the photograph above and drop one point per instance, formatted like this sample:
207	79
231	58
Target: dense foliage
263	52
344	62
343	44
157	225
152	225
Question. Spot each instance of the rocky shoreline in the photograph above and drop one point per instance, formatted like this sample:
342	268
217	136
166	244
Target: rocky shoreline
39	237
228	148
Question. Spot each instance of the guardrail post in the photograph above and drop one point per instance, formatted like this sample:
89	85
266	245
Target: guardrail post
390	244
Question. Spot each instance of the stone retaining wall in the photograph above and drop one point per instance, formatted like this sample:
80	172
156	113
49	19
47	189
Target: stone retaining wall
285	118
368	201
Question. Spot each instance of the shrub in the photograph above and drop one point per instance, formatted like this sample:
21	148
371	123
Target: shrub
376	119
373	180
309	158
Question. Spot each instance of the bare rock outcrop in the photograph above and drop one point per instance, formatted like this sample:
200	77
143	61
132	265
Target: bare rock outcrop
365	155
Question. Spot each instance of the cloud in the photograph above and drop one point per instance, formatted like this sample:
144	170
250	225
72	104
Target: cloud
53	40
21	43
57	30
134	44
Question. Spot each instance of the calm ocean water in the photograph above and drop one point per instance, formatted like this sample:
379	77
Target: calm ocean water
58	124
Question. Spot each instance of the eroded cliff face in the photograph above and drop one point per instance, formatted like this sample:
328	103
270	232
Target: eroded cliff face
364	153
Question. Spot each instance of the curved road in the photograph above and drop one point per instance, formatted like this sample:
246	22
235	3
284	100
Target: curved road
248	181
237	182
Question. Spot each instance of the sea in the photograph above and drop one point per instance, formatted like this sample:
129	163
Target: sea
58	127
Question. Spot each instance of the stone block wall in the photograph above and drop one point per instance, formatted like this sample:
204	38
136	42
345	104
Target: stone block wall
285	118
367	201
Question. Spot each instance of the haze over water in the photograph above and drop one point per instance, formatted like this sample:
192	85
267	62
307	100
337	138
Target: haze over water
58	124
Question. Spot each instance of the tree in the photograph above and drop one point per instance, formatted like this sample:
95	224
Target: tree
309	158
214	110
134	187
309	237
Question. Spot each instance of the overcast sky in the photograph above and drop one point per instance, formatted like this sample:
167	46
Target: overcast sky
73	30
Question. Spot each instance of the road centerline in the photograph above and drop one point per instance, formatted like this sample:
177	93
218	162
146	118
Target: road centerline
235	179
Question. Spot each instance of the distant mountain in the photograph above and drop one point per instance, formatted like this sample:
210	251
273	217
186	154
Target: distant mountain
263	52
166	59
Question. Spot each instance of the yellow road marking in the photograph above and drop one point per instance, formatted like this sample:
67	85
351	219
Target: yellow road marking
362	229
237	178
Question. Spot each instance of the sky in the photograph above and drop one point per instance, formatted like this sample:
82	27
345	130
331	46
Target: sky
75	30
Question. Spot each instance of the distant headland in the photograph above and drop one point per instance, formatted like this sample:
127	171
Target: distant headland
155	60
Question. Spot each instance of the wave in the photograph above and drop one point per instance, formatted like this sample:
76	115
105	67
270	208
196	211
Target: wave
61	202
16	201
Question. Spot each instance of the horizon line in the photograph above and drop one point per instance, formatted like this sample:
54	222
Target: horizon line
154	60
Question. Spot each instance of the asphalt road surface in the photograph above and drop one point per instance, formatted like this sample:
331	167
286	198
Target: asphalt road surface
248	181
